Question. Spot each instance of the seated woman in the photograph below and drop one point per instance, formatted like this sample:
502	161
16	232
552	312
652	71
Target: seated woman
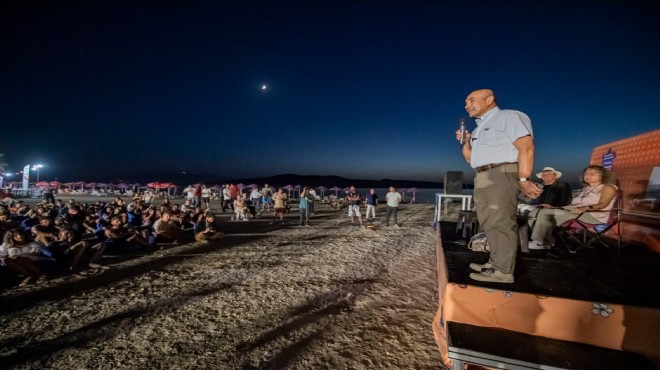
15	253
596	199
206	229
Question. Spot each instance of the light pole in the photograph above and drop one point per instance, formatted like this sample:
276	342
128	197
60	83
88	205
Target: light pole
37	167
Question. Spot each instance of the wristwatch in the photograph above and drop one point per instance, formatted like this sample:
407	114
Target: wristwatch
523	179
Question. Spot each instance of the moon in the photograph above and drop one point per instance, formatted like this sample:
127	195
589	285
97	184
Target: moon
264	87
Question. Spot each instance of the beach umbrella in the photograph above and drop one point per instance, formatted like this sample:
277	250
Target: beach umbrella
335	189
252	186
56	184
288	188
322	189
122	185
102	185
69	184
81	184
240	186
42	184
155	185
216	187
90	185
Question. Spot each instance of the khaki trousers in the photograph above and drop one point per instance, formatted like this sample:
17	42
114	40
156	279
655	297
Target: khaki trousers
496	199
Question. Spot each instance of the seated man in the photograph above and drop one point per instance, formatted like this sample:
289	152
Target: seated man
68	249
206	229
166	230
45	232
555	193
122	238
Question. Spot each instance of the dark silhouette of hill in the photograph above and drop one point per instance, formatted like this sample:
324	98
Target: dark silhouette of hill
331	181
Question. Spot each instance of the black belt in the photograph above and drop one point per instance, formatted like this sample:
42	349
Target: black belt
487	167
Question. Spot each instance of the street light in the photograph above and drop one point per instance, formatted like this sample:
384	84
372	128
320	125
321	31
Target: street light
36	167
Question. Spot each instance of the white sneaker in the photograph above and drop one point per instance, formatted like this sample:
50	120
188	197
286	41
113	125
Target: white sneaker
535	244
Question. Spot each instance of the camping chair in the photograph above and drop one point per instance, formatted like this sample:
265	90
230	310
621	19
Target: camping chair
584	234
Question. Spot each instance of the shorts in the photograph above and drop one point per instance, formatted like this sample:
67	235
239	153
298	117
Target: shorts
279	210
354	211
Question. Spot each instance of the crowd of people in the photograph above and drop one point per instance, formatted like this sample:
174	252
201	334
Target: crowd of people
55	237
52	238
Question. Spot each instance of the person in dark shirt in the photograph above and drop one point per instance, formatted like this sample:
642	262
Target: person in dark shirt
44	232
372	203
353	199
555	193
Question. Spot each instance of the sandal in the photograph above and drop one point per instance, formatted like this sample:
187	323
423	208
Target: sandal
27	281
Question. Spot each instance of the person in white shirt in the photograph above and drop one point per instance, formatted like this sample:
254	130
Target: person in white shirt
255	198
393	199
206	196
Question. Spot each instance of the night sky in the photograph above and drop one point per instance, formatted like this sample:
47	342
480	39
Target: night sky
364	89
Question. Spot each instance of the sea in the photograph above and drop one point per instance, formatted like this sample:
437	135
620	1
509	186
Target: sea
422	196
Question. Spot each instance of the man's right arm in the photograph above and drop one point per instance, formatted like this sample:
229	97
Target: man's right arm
467	147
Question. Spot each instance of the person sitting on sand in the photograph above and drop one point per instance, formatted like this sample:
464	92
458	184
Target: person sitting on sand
207	230
123	238
240	208
44	232
166	230
15	253
68	249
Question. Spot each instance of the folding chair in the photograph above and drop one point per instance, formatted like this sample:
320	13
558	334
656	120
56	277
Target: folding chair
584	234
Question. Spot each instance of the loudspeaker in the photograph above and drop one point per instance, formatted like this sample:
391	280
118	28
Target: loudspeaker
453	182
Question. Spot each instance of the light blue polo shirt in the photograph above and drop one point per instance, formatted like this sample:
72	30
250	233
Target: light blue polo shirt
492	140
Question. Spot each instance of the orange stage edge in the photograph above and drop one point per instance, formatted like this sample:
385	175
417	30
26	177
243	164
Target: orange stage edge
614	326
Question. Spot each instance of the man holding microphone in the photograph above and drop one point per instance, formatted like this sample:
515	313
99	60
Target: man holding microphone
501	150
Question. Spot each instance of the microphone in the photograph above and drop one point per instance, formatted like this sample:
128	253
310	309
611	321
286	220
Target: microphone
462	128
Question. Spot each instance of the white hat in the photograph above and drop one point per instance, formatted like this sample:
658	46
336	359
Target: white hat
545	169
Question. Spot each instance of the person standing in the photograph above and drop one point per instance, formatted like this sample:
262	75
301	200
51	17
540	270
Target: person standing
372	203
501	150
312	200
198	195
48	194
353	198
393	199
206	196
255	198
304	206
226	199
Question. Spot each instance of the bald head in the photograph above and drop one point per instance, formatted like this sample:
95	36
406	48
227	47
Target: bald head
479	102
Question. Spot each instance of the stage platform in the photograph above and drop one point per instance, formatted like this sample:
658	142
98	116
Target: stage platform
602	298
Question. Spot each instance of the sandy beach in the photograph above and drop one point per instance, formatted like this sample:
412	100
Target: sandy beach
267	296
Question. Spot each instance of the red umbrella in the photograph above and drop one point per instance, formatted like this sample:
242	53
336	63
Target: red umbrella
56	184
43	184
